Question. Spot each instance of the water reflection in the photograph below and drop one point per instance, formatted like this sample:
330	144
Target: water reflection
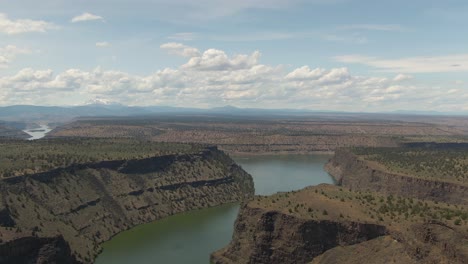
37	133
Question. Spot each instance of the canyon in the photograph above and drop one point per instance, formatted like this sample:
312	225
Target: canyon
67	212
329	224
390	205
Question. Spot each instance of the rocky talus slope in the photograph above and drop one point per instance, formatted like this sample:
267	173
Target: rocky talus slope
63	215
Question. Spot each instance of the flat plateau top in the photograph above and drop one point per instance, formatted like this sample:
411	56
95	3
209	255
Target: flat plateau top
334	203
445	163
18	157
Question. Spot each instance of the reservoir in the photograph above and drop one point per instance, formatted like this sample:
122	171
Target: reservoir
38	133
191	237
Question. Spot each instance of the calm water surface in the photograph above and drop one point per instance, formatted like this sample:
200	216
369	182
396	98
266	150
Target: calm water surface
36	134
191	237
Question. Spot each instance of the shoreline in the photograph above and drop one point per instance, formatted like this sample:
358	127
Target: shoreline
277	153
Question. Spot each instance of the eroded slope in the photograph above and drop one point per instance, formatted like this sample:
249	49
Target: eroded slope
437	172
89	203
297	227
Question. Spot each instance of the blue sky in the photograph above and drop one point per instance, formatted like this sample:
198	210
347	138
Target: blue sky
353	55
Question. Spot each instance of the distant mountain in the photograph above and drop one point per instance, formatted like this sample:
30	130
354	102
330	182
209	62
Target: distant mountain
30	114
57	114
98	101
430	113
227	108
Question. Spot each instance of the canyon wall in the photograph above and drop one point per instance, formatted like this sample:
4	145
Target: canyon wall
263	236
353	172
328	224
87	204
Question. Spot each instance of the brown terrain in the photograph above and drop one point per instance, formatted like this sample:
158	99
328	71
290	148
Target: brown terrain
9	132
404	204
62	215
400	201
257	135
361	173
331	224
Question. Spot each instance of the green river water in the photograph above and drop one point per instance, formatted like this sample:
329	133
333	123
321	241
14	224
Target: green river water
191	237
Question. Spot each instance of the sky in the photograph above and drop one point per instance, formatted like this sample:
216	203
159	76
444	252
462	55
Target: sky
345	55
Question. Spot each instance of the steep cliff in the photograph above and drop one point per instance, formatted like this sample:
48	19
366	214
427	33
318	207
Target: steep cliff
357	173
89	203
31	249
274	237
328	224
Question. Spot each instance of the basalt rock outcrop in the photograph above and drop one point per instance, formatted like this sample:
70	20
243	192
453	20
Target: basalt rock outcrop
329	224
356	173
274	237
40	250
63	215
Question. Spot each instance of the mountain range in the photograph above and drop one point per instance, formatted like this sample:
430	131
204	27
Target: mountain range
17	115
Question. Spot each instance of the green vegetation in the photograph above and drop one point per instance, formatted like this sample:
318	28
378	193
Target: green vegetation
10	132
433	138
263	134
331	202
24	157
443	163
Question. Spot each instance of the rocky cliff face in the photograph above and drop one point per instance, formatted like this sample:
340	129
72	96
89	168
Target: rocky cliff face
327	224
273	237
36	250
88	204
357	174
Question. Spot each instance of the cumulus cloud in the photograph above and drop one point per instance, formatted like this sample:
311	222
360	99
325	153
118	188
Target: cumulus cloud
305	73
428	64
86	17
103	44
402	77
214	77
18	26
218	60
9	53
180	49
28	75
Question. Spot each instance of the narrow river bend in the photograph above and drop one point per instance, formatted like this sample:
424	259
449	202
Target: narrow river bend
191	237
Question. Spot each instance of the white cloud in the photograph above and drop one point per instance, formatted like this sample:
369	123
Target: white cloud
180	49
28	75
9	53
427	64
305	73
86	17
402	77
11	27
213	59
216	78
103	44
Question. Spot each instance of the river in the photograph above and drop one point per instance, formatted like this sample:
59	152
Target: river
191	237
38	133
